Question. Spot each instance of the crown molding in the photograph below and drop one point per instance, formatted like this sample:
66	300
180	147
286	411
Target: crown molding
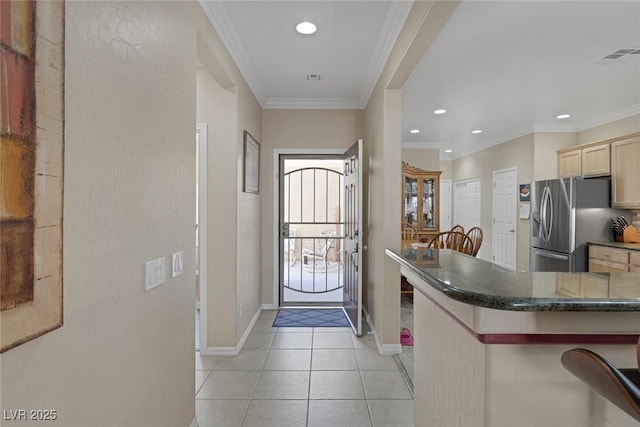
554	128
393	25
221	21
611	117
313	104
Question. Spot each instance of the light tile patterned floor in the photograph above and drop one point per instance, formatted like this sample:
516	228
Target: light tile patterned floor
302	377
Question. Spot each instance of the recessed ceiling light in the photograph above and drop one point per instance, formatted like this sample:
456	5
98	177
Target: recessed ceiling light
448	151
414	131
563	116
476	131
306	28
440	111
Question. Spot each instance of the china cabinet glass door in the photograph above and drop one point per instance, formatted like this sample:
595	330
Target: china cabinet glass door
428	203
411	201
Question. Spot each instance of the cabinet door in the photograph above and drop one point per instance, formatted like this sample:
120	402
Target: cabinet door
635	261
625	173
410	202
596	160
429	204
570	163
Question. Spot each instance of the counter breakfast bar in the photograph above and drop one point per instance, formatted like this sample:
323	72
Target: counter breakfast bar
488	342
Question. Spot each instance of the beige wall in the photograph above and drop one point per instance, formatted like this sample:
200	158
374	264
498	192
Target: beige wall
296	129
234	261
446	166
610	130
545	155
516	153
216	107
423	158
124	356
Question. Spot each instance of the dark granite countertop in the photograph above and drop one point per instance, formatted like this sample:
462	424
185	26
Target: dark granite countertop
619	245
481	283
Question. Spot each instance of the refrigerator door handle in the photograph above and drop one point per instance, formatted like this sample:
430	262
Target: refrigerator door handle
550	202
543	213
551	255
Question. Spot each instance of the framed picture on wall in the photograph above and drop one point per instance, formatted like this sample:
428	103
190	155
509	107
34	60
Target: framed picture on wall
32	159
251	161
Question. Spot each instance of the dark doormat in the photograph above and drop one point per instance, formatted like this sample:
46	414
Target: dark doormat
311	318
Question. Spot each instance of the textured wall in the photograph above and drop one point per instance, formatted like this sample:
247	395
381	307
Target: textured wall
124	356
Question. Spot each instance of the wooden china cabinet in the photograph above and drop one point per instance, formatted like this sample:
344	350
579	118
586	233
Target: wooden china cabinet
421	200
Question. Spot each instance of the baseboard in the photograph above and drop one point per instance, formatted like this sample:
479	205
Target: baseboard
194	422
233	351
383	349
270	306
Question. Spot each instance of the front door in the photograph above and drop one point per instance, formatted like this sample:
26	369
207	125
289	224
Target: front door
352	252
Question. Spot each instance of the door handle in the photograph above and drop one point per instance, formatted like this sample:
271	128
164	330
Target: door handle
512	231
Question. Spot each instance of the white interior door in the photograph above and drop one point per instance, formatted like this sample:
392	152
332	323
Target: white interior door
445	204
505	204
352	250
468	203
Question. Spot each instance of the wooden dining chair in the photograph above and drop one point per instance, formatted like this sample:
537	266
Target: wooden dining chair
409	233
475	234
453	240
620	386
457	228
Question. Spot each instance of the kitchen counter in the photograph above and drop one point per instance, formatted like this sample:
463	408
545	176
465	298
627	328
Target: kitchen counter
487	342
481	283
619	245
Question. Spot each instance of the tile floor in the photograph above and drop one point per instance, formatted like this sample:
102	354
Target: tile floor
302	377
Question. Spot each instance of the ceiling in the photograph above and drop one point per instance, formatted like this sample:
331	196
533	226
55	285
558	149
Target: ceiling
505	67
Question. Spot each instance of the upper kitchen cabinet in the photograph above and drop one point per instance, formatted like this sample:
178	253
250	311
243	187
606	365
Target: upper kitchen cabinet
596	160
421	199
585	160
569	163
625	173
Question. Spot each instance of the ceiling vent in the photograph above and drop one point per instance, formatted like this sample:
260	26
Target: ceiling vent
621	53
315	77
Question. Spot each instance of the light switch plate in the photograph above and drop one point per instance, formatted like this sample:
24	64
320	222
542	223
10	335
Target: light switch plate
176	264
154	273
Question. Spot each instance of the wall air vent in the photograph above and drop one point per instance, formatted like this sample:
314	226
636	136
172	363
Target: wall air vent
620	54
315	77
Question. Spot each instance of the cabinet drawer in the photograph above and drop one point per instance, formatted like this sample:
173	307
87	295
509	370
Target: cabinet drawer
609	254
634	258
600	266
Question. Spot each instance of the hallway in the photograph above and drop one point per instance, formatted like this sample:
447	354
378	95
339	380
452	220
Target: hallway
302	377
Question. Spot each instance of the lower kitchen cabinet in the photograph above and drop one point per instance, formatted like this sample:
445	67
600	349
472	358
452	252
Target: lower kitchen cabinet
604	259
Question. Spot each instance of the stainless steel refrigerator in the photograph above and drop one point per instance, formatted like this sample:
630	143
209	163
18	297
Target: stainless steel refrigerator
567	213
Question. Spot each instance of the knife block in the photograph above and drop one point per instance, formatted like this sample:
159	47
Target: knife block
629	235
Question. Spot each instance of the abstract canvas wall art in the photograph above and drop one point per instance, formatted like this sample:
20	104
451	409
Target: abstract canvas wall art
31	168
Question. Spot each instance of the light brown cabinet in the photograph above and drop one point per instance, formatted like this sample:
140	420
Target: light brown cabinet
585	160
421	199
569	163
625	173
613	260
596	160
634	262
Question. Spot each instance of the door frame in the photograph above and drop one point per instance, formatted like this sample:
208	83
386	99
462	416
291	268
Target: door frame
450	183
514	210
202	232
275	243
